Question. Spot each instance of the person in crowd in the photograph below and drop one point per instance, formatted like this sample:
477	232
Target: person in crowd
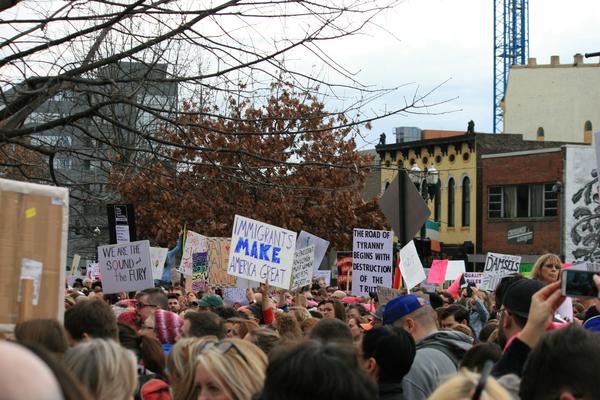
307	326
447	299
334	374
464	329
547	270
148	351
487	330
181	363
464	385
477	313
358	326
210	302
543	304
438	352
24	376
355	311
151	313
90	319
476	357
332	330
563	365
230	369
387	355
202	323
266	339
454	315
516	304
500	291
105	368
241	327
71	388
301	313
332	308
47	333
288	327
174	305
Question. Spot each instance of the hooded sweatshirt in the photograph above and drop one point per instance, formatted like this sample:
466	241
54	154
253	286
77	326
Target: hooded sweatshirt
433	362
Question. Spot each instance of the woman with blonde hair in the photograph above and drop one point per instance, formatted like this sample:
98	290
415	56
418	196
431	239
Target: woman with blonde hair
231	369
466	385
547	268
181	363
105	368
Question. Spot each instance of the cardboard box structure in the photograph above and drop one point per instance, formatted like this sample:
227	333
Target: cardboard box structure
34	223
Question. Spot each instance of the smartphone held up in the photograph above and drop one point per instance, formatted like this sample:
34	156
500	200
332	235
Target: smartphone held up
579	283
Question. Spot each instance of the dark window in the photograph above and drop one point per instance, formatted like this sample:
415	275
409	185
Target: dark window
587	126
466	202
540	132
522	201
451	202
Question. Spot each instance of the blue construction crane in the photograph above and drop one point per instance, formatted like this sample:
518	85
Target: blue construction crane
511	46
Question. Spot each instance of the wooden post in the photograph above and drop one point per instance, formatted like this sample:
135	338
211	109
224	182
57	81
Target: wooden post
348	280
26	304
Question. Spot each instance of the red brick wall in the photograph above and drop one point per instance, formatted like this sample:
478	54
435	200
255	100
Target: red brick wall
514	170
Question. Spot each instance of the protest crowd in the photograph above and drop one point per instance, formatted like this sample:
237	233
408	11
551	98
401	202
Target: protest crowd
313	342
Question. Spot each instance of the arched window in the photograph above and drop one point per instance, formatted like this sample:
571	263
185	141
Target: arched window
451	202
437	208
588	126
540	132
466	201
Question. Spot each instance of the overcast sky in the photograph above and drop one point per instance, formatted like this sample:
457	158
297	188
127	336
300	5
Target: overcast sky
440	40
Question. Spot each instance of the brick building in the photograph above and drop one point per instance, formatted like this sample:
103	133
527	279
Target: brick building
521	202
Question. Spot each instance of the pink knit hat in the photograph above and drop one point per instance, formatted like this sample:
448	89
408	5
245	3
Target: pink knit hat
167	326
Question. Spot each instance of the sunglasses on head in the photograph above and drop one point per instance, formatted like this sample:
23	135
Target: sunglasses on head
222	348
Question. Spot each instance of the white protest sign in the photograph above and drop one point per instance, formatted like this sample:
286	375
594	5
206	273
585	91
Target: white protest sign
158	255
323	274
410	266
302	269
31	269
235	295
261	252
75	264
497	266
455	269
125	267
92	271
474	278
194	243
371	260
305	239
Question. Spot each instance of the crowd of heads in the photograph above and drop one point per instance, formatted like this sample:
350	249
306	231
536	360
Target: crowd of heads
316	342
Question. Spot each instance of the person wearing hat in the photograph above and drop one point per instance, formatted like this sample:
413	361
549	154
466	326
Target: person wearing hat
438	352
210	302
515	310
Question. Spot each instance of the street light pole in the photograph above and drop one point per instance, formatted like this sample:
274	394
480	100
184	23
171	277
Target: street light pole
426	182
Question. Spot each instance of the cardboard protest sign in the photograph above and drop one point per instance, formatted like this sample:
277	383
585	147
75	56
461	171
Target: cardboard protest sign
235	295
305	239
344	269
34	221
302	269
497	266
371	260
323	274
125	267
218	258
474	278
194	243
158	255
455	269
384	294
410	266
261	252
437	273
75	264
